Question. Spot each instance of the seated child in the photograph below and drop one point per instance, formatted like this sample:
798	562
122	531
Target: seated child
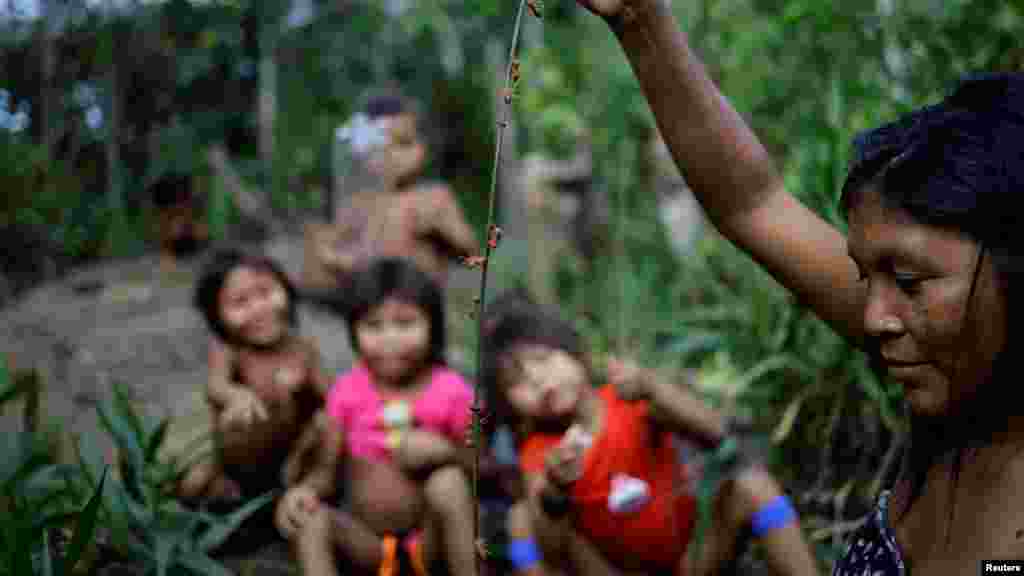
406	217
604	482
265	382
182	233
396	430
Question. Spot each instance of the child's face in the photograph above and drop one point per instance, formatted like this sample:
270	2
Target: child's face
402	157
394	339
543	383
254	305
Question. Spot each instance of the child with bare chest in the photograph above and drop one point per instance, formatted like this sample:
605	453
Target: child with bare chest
265	382
405	217
395	428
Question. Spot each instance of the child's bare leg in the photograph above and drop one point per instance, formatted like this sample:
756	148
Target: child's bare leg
314	545
749	494
524	550
448	526
564	549
207	480
360	545
197	479
330	534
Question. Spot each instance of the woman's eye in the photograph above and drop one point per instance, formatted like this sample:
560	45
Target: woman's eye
908	284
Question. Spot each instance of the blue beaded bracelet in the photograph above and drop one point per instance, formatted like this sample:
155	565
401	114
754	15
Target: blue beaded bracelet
523	554
773	515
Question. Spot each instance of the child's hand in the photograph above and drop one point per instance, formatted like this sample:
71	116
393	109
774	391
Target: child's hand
297	505
307	444
244	409
418	450
631	382
564	462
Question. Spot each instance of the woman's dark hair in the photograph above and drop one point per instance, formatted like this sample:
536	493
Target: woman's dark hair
211	282
522	324
957	164
398	278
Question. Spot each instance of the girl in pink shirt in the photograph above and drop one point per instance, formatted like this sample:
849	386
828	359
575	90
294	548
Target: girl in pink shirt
395	427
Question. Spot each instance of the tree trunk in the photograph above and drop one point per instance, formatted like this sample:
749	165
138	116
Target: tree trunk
48	114
112	122
267	106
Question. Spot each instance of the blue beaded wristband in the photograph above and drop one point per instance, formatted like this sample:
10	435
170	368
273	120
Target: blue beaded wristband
773	515
523	554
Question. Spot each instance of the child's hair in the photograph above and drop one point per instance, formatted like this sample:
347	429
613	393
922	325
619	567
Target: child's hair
172	189
388	102
211	282
517	299
398	278
531	324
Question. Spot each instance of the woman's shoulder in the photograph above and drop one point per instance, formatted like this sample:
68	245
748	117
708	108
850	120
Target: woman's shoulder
872	547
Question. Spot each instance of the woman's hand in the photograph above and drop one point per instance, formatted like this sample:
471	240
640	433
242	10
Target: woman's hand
616	9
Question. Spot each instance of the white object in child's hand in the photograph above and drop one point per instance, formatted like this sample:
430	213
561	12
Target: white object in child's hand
577	438
628	494
396	414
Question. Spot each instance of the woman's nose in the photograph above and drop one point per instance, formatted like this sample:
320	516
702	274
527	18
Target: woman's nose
880	316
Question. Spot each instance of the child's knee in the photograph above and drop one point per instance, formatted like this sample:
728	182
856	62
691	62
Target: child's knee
759	504
752	488
315	532
523	550
518	521
447	489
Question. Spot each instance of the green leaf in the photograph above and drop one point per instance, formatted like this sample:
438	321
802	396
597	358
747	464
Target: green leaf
54	520
217	534
9	388
120	430
90	462
84	527
163	547
124	407
47	557
23	470
200	563
156	439
139	515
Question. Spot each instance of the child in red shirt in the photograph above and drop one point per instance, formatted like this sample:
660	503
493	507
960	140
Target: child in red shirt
605	485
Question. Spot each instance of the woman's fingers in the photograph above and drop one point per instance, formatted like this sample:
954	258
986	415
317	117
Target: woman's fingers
602	7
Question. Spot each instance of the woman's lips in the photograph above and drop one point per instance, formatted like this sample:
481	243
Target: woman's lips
904	371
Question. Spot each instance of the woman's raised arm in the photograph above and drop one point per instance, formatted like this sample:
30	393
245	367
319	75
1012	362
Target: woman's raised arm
731	174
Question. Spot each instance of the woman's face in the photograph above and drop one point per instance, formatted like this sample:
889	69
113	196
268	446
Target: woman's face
926	334
254	305
542	383
394	339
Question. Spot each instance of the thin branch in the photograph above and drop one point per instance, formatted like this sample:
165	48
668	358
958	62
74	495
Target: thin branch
511	73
